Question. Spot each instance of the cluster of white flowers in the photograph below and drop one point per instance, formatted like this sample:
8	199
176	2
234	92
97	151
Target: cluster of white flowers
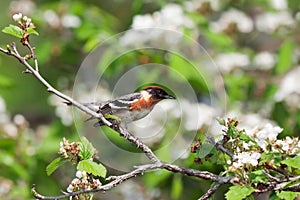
264	60
83	182
166	25
270	22
279	4
265	135
229	61
243	23
245	159
67	20
289	89
196	4
18	17
288	146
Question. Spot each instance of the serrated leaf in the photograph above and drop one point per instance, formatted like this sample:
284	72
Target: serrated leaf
238	192
32	31
89	166
292	162
287	195
86	149
55	164
13	30
205	149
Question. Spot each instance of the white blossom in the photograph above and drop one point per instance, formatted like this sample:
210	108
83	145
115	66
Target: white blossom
70	188
70	21
166	25
269	22
289	89
242	21
279	4
264	60
263	135
246	159
17	17
52	18
195	4
228	61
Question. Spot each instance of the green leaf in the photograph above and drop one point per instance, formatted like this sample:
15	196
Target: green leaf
86	149
55	164
92	167
176	187
285	57
32	31
13	30
292	162
258	177
267	157
205	149
238	192
287	195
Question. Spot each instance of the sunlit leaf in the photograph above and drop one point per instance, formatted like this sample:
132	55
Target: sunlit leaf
238	192
287	195
89	166
32	31
13	30
292	162
86	149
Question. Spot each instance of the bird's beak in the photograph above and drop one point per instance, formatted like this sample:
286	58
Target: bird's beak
167	96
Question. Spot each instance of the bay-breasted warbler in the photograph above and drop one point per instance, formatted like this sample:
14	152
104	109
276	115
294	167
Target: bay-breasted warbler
131	107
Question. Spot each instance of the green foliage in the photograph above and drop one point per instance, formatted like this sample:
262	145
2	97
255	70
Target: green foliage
238	192
285	57
287	195
205	149
55	164
87	150
89	166
13	30
292	162
258	177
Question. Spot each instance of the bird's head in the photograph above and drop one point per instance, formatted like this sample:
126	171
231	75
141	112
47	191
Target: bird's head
157	93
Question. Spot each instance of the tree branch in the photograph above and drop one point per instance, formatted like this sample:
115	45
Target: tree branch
210	192
220	146
116	180
14	52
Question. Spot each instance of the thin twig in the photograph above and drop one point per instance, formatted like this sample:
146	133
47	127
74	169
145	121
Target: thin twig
210	192
50	88
220	147
31	49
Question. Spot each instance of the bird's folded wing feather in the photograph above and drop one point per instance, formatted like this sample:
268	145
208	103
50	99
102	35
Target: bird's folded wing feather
121	103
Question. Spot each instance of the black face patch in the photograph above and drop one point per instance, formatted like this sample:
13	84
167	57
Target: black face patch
158	93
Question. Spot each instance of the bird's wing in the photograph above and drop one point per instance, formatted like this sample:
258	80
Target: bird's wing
121	103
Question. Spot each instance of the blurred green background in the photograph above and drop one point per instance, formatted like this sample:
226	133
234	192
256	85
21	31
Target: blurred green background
255	44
